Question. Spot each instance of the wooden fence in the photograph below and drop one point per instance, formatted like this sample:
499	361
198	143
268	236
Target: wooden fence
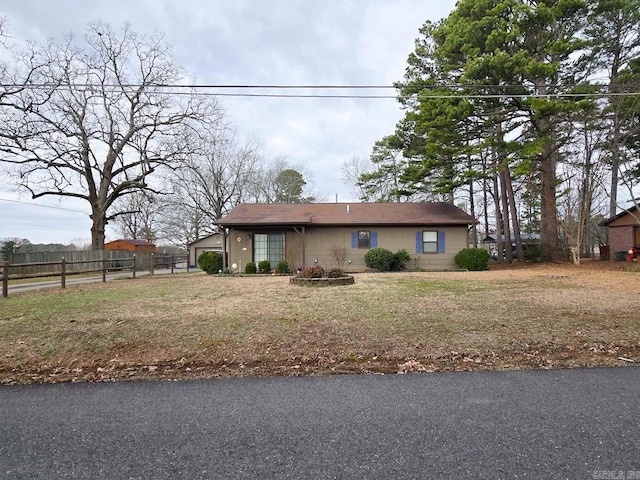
63	267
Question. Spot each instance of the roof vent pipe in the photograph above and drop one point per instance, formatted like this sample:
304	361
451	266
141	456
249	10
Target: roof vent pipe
348	209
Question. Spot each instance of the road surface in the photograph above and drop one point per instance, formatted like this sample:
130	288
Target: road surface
568	424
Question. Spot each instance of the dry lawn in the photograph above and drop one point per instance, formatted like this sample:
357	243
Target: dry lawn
194	325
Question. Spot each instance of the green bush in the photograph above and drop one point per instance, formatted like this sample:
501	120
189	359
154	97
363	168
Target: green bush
399	259
250	268
383	260
379	259
315	271
210	262
264	266
282	267
533	253
473	259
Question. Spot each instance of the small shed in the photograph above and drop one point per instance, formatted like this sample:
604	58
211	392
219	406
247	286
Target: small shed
624	232
210	243
130	246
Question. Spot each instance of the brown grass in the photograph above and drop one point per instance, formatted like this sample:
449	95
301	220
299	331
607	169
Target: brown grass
193	325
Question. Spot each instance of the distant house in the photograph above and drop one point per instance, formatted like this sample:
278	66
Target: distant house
210	243
624	232
130	245
305	234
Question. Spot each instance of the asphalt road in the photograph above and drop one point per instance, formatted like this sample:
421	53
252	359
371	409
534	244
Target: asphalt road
575	424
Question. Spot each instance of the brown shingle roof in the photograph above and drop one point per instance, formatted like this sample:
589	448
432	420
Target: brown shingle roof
630	211
333	214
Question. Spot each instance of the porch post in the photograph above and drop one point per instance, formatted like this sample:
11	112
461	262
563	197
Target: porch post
224	249
304	253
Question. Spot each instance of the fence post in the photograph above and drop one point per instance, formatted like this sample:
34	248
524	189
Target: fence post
63	272
152	266
5	279
134	265
104	269
173	261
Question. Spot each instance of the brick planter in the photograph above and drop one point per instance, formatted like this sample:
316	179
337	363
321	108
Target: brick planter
322	282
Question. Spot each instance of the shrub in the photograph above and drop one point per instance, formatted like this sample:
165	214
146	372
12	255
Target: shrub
210	262
250	268
399	259
313	272
282	267
533	253
379	259
473	259
264	266
338	255
335	273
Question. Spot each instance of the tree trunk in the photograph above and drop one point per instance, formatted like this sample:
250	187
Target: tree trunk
508	245
499	240
548	206
515	221
98	225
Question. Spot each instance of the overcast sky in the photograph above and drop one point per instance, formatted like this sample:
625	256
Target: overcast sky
256	42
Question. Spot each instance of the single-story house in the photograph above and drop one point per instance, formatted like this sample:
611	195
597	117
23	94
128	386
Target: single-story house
210	243
130	245
306	234
624	231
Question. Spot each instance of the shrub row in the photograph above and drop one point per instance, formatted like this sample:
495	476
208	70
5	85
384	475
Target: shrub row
265	267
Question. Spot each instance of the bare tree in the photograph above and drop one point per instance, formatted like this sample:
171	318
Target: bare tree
137	215
352	170
218	172
270	181
180	220
93	120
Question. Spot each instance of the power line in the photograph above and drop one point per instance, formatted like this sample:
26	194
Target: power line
316	87
384	97
196	89
43	206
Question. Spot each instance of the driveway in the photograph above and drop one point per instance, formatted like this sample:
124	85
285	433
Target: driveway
565	424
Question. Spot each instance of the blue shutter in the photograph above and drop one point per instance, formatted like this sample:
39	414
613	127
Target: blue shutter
418	242
354	239
374	239
441	242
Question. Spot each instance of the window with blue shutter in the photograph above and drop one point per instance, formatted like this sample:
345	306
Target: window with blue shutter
441	242
364	239
430	241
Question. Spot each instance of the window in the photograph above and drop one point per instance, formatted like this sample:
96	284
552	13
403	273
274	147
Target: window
429	242
364	239
268	246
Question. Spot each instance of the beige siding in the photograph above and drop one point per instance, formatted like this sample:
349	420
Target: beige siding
240	249
318	242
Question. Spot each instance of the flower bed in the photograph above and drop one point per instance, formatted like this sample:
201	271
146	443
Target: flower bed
322	282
